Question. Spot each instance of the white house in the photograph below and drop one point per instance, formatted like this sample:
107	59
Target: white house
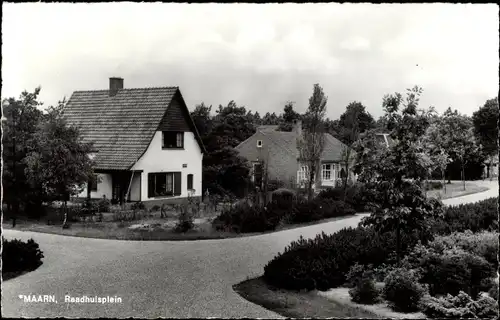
146	146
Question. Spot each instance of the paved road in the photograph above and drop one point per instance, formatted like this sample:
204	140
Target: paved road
154	279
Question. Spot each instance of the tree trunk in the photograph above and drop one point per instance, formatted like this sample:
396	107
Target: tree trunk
345	178
463	174
444	181
311	181
398	245
65	210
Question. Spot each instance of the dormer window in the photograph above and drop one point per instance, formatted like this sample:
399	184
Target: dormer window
259	143
172	140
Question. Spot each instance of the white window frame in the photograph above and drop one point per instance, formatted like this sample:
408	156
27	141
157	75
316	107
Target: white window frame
326	168
302	174
259	143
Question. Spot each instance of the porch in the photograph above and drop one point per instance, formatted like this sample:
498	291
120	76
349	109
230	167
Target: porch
119	186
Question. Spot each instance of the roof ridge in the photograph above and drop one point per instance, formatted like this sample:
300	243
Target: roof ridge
129	89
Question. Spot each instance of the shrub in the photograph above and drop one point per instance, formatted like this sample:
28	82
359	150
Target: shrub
364	291
460	306
20	256
284	198
185	223
402	290
356	196
138	206
317	209
155	208
493	292
476	217
323	262
104	205
125	215
433	185
483	244
246	218
450	270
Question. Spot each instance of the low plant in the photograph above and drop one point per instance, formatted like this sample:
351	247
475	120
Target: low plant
185	222
402	290
324	261
18	256
104	205
138	206
493	292
155	208
364	290
476	217
450	270
247	218
459	306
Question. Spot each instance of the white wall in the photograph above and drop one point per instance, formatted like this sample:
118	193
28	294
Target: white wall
155	159
104	187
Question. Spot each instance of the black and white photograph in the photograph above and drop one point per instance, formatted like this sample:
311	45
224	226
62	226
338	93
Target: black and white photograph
250	160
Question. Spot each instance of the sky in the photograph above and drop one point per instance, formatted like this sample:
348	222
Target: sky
259	55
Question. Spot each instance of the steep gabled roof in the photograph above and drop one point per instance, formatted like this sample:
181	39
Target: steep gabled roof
121	126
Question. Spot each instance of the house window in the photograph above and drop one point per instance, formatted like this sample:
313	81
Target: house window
257	174
93	183
172	140
302	174
164	184
259	143
326	172
190	182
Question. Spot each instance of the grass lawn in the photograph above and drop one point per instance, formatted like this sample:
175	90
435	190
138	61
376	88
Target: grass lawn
297	304
155	228
456	189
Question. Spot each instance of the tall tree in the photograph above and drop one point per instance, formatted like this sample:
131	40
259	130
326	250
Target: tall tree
355	113
485	122
288	117
458	138
395	173
58	160
270	119
312	142
21	119
202	119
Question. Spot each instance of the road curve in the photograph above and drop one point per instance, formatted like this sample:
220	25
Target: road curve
175	279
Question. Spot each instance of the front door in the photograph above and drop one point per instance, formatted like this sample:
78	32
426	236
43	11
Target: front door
119	188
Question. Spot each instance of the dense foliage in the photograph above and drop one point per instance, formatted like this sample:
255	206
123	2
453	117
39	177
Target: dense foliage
356	196
460	306
451	264
364	290
20	256
402	290
482	215
324	262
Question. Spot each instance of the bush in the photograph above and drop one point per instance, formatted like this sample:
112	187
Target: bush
20	256
460	306
274	184
364	290
402	290
284	198
356	196
493	292
483	244
185	223
356	273
155	208
317	209
323	262
246	218
138	206
451	270
125	215
476	217
433	185
104	205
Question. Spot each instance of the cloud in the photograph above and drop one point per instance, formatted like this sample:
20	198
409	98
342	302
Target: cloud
259	55
355	43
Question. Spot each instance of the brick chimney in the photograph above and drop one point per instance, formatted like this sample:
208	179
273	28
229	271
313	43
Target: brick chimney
115	84
297	127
